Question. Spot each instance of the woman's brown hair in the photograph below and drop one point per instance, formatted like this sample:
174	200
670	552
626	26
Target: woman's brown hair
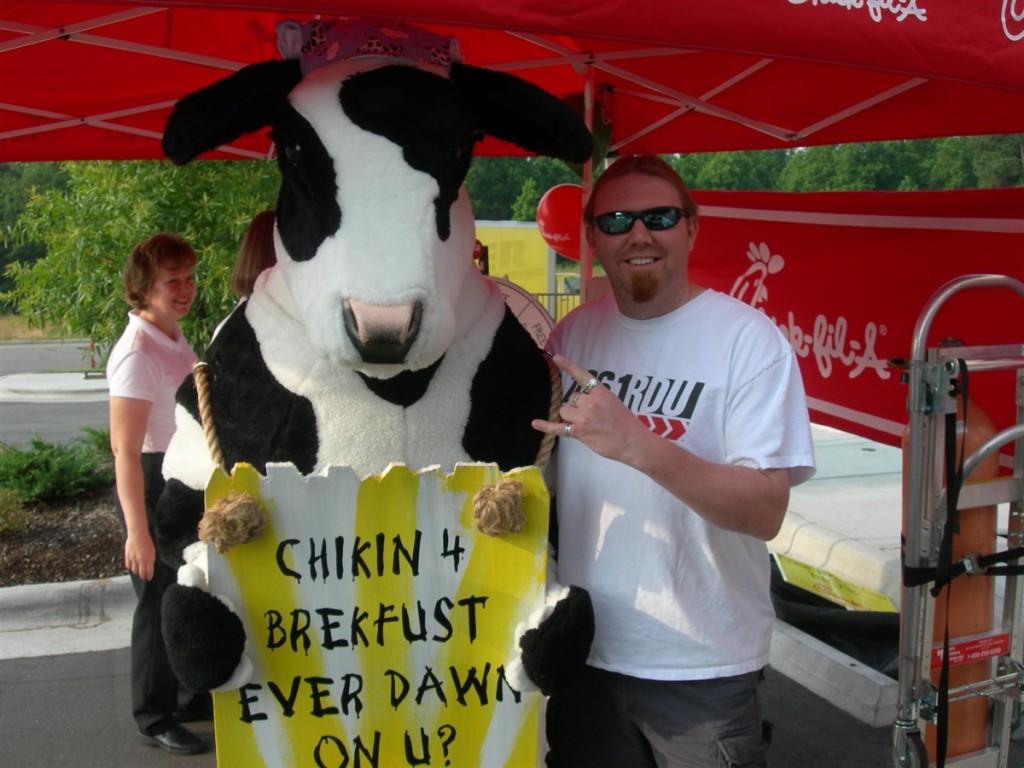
255	254
163	250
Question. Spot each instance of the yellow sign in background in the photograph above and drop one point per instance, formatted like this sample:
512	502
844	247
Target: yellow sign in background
516	252
832	587
380	623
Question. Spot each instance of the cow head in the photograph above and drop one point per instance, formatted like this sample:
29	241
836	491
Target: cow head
374	230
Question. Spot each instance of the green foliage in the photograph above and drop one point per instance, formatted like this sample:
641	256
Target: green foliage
951	166
89	229
998	160
949	163
98	441
18	181
46	471
499	188
493	184
14	518
755	170
844	167
525	206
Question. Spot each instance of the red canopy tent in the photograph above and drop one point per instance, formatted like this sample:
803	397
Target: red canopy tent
96	80
82	80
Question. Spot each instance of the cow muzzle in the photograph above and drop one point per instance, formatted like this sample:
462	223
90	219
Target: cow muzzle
382	334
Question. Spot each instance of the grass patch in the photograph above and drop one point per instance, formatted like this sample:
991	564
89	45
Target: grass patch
16	328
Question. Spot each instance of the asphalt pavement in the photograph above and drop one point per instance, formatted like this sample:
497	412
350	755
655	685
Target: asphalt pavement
64	688
65	700
46	392
73	710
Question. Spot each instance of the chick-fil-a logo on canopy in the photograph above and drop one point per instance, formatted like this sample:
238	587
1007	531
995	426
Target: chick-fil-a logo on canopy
828	341
900	9
1013	19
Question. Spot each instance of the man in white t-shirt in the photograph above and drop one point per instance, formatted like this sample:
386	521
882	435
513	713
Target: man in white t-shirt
688	426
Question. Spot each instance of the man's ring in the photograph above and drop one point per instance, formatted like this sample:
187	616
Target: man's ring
575	399
567	430
589	386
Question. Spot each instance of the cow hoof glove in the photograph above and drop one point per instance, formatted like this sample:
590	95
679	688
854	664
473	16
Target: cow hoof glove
205	640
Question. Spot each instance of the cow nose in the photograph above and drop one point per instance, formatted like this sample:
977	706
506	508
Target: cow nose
382	333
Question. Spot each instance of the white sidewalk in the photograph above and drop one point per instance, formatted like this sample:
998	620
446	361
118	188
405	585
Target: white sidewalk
67	617
847	519
43	387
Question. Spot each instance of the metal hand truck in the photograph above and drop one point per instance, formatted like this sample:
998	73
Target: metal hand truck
933	498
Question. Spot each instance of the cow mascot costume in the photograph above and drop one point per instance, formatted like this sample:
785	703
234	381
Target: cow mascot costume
375	339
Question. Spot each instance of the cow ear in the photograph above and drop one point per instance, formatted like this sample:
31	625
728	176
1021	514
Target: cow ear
238	104
511	109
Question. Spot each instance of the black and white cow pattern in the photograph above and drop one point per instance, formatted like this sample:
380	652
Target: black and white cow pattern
375	339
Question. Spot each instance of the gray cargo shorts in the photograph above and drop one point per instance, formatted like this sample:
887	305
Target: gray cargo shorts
615	720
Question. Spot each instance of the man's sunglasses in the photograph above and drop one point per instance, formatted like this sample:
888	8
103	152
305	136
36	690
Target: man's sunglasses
655	219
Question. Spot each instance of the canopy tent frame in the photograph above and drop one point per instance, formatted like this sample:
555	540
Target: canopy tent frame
734	74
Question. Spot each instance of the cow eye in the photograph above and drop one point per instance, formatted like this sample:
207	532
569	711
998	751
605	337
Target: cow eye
293	153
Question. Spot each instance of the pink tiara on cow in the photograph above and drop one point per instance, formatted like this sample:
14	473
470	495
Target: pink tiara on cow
319	43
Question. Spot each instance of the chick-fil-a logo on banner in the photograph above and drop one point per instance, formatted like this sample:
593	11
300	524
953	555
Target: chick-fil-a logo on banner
1013	19
900	9
829	341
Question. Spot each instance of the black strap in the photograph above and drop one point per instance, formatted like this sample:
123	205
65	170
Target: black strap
980	565
954	481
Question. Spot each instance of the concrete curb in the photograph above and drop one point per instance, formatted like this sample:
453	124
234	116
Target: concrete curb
66	617
40	387
81	343
844	682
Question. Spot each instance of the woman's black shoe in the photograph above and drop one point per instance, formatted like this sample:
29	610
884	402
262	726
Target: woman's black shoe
177	739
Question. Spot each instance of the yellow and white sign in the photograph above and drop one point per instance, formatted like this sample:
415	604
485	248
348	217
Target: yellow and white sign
832	587
379	621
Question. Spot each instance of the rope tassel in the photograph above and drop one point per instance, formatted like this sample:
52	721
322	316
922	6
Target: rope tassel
498	509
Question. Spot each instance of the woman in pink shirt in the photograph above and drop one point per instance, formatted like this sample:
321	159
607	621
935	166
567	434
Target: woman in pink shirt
145	368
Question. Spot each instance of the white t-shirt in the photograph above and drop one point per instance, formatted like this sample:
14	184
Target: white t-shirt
146	364
675	597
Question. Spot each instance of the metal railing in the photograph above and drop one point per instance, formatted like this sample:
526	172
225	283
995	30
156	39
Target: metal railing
558	305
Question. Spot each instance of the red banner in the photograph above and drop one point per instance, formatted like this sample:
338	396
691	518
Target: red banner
846	275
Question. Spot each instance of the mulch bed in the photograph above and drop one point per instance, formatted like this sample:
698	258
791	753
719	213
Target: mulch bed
71	540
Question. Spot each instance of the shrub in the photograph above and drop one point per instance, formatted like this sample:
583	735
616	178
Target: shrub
97	440
45	471
14	518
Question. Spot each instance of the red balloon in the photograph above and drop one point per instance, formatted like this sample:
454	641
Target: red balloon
559	214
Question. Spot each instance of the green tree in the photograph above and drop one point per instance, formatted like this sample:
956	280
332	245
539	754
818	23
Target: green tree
951	165
17	183
998	160
525	206
493	184
947	163
496	185
89	229
689	166
740	170
882	165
